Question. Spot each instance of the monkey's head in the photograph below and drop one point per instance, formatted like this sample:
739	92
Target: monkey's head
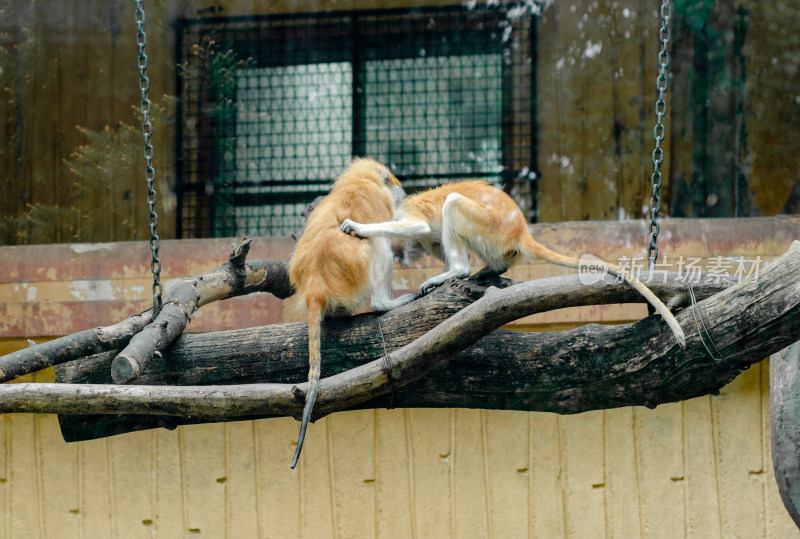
380	174
407	252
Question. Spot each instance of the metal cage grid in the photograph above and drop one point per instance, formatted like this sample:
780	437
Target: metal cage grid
273	108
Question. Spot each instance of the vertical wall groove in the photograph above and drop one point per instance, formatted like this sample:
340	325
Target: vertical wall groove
684	446
79	479
453	462
332	476
766	453
487	484
412	504
153	481
301	481
37	448
257	474
7	473
562	473
184	493
715	443
606	488
112	498
376	472
226	486
639	501
531	530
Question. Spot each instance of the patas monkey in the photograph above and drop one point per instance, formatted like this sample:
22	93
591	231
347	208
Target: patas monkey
451	220
335	272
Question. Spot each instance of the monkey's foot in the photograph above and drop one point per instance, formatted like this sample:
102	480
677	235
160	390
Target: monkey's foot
434	283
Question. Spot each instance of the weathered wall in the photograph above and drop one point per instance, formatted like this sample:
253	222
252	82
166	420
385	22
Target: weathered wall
700	468
70	149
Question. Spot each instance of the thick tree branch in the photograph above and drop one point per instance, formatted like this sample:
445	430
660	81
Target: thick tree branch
420	350
566	372
145	337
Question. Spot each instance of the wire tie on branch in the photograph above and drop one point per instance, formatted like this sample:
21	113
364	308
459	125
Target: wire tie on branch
386	363
716	355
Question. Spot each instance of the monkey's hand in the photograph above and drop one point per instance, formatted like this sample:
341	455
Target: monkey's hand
352	228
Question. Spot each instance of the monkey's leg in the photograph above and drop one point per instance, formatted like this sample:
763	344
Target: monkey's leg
381	275
454	246
489	272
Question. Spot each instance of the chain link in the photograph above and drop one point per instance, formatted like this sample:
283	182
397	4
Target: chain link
659	131
150	173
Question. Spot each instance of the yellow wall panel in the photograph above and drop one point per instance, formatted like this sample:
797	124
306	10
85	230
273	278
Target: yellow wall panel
508	467
352	441
737	422
60	474
26	512
468	469
696	469
393	475
316	480
131	478
203	469
277	488
702	519
94	482
431	457
548	494
242	487
168	497
584	476
658	436
622	492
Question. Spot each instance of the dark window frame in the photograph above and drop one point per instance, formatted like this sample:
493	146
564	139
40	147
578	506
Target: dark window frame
360	36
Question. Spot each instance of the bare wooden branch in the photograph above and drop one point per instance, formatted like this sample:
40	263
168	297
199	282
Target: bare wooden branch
184	298
70	347
421	348
565	372
233	278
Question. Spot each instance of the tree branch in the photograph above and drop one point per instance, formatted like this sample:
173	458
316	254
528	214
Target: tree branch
565	372
71	347
145	337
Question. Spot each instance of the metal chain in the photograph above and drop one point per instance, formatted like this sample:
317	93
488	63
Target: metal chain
150	173
658	131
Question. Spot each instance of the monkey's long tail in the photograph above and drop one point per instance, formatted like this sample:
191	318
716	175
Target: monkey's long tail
315	310
531	248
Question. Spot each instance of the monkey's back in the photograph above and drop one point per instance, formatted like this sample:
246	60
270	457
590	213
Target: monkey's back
504	219
329	266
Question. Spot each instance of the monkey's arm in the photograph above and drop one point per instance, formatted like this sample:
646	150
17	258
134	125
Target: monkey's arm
404	229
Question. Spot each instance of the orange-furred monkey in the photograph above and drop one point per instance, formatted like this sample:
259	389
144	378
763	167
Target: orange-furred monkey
338	272
450	220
